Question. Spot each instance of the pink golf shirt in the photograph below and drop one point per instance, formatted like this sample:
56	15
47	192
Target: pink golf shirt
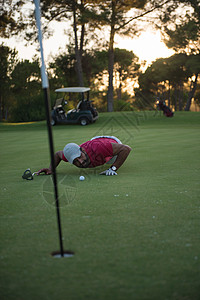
99	151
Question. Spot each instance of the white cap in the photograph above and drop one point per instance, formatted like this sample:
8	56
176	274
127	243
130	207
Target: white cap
72	151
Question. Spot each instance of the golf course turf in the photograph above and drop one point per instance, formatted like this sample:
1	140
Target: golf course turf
135	235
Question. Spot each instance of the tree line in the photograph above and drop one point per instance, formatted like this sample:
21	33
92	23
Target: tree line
91	58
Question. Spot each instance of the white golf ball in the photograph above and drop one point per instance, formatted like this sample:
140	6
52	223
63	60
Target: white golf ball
81	178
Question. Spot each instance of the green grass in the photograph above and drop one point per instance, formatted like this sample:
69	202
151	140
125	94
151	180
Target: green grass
135	235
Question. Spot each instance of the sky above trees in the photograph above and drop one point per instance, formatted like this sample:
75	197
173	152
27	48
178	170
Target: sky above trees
148	46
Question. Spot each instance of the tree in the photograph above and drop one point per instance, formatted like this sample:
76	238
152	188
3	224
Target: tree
114	14
169	79
18	22
7	62
193	64
88	16
93	14
126	65
8	22
182	33
64	11
25	78
20	91
25	86
82	15
95	67
62	69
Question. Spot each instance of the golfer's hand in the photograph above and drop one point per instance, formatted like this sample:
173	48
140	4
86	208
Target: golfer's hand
108	172
46	171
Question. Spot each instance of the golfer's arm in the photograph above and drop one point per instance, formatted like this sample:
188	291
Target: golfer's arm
57	159
122	152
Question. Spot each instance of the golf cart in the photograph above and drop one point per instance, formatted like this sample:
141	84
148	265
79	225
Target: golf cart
166	110
83	114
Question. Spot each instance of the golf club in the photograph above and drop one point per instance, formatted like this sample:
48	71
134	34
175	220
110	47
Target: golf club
28	175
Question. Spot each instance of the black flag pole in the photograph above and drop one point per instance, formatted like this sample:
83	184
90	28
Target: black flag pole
45	86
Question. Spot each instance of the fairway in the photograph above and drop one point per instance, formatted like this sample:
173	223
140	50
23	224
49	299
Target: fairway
135	235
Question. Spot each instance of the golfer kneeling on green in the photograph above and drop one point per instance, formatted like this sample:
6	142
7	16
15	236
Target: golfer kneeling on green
96	152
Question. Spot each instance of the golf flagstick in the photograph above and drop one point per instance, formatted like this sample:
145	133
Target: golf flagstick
45	86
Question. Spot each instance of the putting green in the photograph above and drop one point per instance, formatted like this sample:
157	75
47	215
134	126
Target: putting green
135	235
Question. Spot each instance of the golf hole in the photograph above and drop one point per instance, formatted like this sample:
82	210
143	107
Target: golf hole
57	254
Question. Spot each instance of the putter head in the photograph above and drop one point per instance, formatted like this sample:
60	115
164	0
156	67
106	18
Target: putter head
27	175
